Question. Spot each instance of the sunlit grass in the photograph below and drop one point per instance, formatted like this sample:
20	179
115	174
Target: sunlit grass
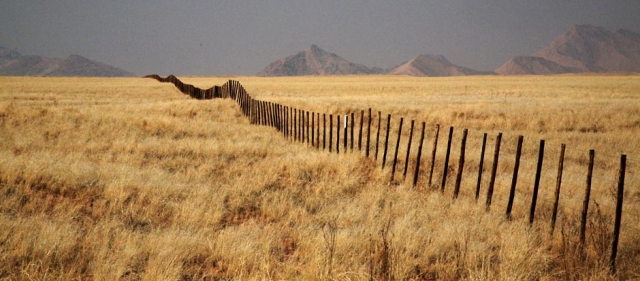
127	178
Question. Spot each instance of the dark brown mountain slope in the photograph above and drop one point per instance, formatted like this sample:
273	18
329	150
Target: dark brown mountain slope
8	54
12	63
434	66
522	65
29	66
76	65
595	49
314	61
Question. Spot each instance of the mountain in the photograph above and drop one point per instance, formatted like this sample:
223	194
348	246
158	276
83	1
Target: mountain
523	65
8	54
29	66
76	65
584	48
314	61
434	66
595	49
12	63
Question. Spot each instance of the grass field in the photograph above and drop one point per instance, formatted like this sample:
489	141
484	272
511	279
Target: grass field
129	179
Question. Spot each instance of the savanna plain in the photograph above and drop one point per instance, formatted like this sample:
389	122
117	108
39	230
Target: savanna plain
129	179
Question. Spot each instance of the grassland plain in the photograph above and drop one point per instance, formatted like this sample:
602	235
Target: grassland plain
128	179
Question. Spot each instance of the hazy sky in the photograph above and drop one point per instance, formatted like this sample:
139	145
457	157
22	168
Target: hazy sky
198	37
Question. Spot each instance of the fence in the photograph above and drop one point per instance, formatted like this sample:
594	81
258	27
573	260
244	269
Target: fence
311	128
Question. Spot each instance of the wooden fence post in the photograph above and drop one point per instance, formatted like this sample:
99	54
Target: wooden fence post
286	121
295	124
300	125
368	133
318	132
395	156
536	184
494	169
360	133
269	108
330	132
378	134
274	115
587	195
456	190
346	126
254	120
245	103
446	160
288	112
251	113
263	113
481	165
243	100
277	117
256	112
249	104
240	100
557	193
406	161
514	179
307	124
338	134
618	219
313	129
324	131
280	117
386	142
300	121
263	108
433	153
353	121
302	131
418	158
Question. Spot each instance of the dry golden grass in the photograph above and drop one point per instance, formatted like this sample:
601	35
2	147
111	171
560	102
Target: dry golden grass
128	179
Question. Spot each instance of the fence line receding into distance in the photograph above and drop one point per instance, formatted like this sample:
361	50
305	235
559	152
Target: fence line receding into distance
299	125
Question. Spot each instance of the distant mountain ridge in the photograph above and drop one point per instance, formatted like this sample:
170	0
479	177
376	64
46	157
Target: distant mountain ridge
584	48
314	61
8	54
12	63
526	65
434	66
